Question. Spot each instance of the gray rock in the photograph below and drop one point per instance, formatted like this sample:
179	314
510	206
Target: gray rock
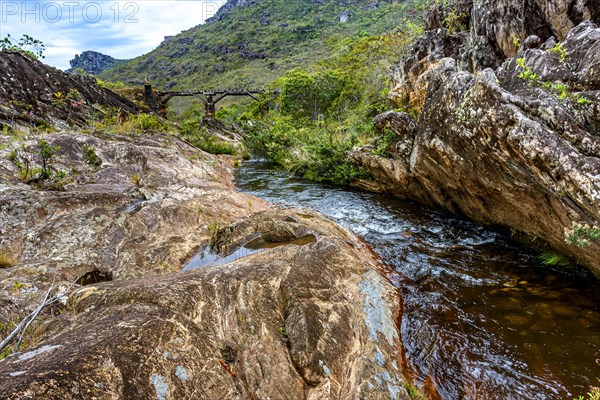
344	16
93	62
532	42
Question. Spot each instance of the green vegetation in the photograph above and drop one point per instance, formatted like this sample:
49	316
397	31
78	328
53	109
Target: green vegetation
191	130
582	234
593	394
90	156
325	111
414	392
256	44
561	91
527	73
26	44
560	51
26	158
550	259
454	20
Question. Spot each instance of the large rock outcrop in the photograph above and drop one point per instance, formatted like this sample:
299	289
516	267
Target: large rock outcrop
33	94
518	146
481	34
93	62
308	314
316	322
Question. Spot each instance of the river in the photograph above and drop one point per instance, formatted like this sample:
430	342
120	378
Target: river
484	319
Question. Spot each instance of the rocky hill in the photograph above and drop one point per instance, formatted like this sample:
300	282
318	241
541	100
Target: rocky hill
508	128
93	62
33	94
249	43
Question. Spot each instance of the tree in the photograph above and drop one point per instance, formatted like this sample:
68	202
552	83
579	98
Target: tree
308	95
26	44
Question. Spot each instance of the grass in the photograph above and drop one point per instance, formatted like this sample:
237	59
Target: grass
413	392
550	259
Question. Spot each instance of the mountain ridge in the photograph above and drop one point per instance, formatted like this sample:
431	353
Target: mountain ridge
257	41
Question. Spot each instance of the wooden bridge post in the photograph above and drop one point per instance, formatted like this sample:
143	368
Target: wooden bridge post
209	109
150	99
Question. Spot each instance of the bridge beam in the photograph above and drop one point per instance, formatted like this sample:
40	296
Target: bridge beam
206	96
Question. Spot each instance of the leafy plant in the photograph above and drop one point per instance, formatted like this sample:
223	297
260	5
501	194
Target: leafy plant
47	154
527	73
554	260
560	51
90	156
26	44
582	234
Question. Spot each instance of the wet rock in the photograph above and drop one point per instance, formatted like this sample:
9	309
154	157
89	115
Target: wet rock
314	322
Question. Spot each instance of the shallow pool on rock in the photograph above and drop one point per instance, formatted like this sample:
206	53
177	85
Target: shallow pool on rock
484	319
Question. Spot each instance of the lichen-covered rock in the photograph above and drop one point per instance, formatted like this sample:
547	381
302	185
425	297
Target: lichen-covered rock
315	322
504	147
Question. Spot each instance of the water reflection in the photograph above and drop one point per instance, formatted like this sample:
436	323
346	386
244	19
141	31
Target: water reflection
484	320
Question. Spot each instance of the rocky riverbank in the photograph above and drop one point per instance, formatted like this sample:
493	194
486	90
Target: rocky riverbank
104	223
317	320
508	120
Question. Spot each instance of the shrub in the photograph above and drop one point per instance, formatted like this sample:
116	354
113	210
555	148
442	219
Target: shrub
203	139
6	261
26	44
90	156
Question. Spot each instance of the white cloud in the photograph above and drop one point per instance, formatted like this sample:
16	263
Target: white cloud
122	29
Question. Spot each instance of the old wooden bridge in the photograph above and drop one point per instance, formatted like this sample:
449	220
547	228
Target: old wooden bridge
157	101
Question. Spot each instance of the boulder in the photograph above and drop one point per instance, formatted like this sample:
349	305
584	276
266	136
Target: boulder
312	321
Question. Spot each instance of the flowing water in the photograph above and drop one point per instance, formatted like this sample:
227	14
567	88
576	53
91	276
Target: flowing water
484	319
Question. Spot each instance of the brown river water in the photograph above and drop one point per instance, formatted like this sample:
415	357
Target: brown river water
484	318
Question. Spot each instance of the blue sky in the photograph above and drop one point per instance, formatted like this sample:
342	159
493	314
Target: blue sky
122	29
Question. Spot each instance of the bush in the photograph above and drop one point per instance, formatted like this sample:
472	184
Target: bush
90	156
202	138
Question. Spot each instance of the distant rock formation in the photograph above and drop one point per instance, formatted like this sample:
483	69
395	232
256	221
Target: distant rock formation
93	62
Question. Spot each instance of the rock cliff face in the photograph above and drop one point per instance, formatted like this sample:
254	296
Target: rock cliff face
93	62
481	34
516	146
